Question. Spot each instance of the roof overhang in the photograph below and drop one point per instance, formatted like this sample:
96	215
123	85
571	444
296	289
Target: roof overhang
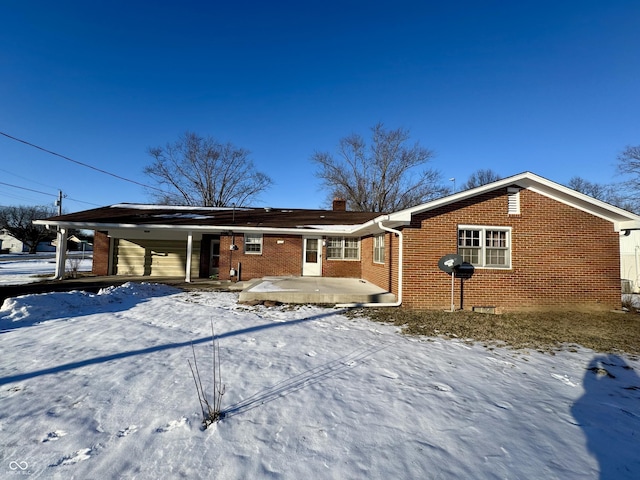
302	230
621	219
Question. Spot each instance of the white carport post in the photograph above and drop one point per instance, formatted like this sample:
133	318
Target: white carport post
61	252
187	277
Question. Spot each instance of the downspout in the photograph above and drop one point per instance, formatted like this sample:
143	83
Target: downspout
398	302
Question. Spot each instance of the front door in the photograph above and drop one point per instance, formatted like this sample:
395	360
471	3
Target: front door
312	257
209	256
214	257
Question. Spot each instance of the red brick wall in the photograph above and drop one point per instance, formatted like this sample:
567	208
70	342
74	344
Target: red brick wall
561	257
101	244
281	255
283	258
340	268
377	273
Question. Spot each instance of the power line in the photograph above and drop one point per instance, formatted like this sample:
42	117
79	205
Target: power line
82	201
27	179
28	189
20	198
48	194
79	163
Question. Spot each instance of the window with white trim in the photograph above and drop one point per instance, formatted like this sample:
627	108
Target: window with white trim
487	247
253	243
343	248
378	248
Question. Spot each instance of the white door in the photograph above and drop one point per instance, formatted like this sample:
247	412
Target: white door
312	257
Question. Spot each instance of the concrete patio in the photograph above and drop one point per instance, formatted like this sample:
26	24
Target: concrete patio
316	290
297	290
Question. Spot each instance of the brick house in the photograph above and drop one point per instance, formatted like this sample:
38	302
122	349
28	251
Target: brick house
525	243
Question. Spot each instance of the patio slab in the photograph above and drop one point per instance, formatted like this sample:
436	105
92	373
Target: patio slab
316	290
290	289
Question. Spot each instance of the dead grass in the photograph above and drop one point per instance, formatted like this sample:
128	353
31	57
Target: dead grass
602	332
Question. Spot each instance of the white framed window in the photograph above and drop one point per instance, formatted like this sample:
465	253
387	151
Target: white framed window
378	248
485	247
343	248
253	243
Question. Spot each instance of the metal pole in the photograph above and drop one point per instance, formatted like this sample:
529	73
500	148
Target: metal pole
453	279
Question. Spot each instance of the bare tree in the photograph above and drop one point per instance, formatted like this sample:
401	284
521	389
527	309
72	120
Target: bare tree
201	171
599	191
480	177
611	193
381	177
629	165
629	168
18	222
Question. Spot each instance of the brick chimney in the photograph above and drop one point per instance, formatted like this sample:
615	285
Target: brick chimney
339	205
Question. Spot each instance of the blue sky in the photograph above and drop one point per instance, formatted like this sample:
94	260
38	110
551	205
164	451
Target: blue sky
545	86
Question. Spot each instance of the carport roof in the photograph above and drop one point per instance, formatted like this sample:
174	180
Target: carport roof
128	215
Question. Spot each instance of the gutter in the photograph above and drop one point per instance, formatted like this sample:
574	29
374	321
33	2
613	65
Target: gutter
306	230
398	302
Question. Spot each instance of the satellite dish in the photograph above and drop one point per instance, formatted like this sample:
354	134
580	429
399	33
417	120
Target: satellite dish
450	262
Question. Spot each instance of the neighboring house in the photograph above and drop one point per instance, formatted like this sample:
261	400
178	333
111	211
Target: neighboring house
527	243
10	244
630	261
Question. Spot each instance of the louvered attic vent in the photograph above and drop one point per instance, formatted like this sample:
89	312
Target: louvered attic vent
513	194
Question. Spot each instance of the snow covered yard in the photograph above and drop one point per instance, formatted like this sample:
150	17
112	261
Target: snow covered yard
23	268
98	386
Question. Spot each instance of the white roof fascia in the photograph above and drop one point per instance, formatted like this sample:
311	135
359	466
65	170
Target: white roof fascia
373	226
302	230
630	225
537	184
577	200
622	219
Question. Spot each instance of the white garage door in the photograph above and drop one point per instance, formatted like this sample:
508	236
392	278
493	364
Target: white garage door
152	257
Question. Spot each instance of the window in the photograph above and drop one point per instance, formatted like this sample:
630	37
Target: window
378	249
253	243
488	247
343	248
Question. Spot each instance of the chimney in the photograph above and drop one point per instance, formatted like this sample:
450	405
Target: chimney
339	205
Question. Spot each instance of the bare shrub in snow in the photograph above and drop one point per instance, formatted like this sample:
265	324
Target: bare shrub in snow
209	404
73	266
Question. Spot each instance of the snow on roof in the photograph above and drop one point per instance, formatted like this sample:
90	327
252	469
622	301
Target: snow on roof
142	206
337	228
191	216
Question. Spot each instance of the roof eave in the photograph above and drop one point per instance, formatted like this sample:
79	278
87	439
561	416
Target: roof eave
627	226
534	183
302	230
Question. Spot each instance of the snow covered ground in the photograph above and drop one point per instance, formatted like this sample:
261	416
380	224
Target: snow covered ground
99	386
18	269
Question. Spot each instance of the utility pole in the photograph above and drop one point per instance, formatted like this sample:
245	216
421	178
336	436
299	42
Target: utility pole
59	202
